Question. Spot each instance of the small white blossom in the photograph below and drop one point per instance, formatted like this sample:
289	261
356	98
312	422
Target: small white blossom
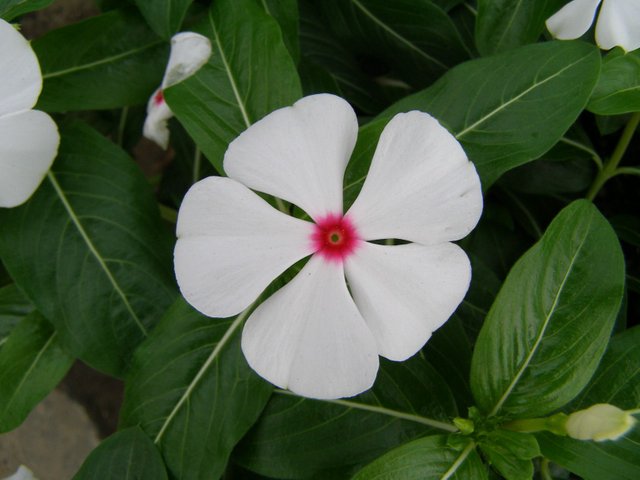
189	52
618	22
28	138
23	473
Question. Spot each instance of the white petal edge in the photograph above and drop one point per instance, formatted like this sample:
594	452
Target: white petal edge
573	20
309	336
28	144
421	187
406	292
298	153
231	245
23	473
155	124
20	76
189	52
619	25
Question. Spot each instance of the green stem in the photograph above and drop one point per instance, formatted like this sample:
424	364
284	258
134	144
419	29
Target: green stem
122	124
168	213
610	167
627	171
197	160
544	470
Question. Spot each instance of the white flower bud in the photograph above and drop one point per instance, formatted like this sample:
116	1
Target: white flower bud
599	422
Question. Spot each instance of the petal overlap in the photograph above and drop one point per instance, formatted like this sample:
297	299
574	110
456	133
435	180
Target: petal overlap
309	336
406	292
573	20
298	153
231	245
421	187
619	24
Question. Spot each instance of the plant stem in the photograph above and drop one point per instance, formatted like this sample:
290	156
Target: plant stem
544	470
610	167
197	160
122	124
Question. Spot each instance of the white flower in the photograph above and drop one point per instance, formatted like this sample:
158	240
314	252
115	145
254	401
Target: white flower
317	336
189	52
28	138
23	473
599	422
618	22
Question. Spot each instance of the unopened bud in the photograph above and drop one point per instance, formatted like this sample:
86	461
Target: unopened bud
599	422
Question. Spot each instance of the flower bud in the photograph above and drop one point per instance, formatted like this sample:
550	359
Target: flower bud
599	422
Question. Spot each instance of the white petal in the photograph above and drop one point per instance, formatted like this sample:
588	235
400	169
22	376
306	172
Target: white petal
310	338
298	153
189	52
619	25
406	292
158	114
573	20
28	144
20	77
421	187
23	473
231	245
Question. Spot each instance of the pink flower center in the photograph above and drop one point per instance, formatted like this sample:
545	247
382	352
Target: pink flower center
334	237
158	98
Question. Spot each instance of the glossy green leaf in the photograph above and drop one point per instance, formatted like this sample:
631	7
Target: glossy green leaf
286	14
505	24
510	453
550	324
618	89
109	61
164	16
226	96
128	454
31	365
10	9
297	437
192	392
617	381
511	108
14	306
427	458
89	249
417	40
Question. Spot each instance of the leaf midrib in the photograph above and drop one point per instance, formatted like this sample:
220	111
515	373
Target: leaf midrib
97	63
541	332
94	251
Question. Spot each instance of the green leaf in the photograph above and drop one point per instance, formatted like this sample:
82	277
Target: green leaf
627	227
296	437
192	392
505	24
618	89
164	16
416	39
14	306
510	453
31	365
617	382
286	14
428	458
128	454
10	9
511	108
551	322
89	249
249	75
109	61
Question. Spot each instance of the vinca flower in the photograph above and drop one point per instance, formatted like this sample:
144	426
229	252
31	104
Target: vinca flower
23	473
28	138
321	334
618	22
189	52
